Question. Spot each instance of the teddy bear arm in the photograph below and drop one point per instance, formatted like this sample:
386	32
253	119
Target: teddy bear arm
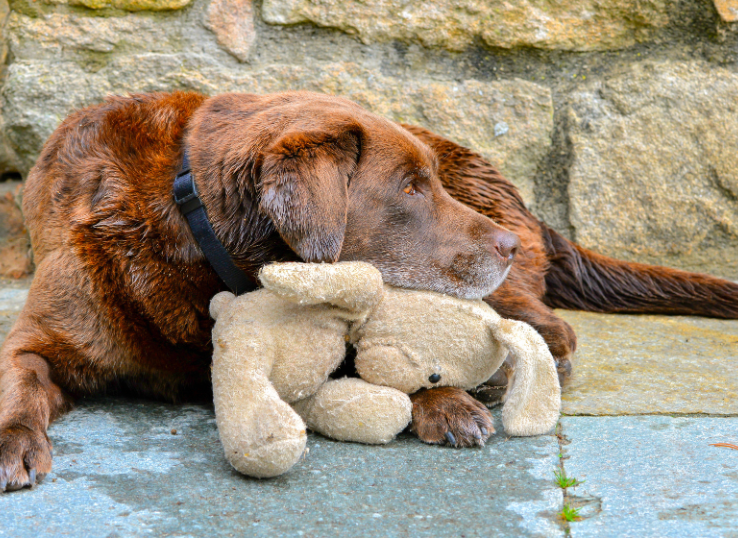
350	409
355	287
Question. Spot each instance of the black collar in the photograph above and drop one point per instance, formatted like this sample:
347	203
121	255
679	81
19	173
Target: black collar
189	202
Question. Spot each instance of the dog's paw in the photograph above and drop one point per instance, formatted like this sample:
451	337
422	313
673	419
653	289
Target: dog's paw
448	415
563	368
25	457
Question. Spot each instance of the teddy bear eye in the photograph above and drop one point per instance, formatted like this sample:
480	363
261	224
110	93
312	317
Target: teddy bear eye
434	378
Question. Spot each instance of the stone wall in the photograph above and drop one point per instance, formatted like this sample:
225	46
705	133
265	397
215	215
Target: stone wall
616	118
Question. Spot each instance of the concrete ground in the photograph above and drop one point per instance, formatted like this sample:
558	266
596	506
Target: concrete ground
648	398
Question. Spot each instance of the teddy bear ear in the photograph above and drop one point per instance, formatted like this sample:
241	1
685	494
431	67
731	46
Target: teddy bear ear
219	302
533	400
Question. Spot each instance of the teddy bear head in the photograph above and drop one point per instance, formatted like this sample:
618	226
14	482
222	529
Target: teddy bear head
416	340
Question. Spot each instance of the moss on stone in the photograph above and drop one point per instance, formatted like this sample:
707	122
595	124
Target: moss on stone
26	7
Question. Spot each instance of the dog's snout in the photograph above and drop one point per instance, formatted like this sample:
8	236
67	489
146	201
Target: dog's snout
506	245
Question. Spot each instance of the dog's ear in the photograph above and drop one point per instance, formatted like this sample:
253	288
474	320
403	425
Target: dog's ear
304	187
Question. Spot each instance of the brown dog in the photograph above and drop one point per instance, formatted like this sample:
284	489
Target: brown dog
121	291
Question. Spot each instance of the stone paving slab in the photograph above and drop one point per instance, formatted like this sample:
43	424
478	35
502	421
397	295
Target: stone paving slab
628	364
653	476
119	471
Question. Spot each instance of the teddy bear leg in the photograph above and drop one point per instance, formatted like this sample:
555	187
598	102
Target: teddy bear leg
262	435
350	409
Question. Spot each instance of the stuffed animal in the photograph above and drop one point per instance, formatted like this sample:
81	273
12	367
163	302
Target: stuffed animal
275	348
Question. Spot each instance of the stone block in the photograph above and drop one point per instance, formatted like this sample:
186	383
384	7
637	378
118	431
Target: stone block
121	458
728	9
12	299
4	12
509	122
63	34
232	22
654	172
7	157
456	25
129	5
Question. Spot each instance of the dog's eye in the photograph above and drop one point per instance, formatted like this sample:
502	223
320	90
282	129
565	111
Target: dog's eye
410	189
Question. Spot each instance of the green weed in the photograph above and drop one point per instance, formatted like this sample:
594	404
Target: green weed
563	481
569	513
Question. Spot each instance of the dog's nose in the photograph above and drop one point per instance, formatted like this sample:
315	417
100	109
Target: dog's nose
507	245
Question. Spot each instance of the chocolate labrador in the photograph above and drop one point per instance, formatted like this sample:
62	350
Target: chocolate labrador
120	297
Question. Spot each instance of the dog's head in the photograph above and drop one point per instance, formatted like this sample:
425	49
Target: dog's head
340	183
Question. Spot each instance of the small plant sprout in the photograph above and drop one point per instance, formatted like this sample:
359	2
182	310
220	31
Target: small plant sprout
563	481
569	513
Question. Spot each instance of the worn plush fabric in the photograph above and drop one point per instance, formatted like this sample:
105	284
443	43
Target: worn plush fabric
420	339
350	409
270	351
278	345
533	398
413	335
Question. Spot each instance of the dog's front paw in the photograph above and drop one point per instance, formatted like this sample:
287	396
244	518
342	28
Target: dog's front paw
448	415
25	457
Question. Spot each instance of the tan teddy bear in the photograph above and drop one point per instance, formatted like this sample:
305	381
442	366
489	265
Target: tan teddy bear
275	348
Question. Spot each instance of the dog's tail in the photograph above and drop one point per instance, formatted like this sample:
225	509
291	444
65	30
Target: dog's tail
580	279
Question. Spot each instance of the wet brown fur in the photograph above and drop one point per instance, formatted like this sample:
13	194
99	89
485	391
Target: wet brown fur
120	297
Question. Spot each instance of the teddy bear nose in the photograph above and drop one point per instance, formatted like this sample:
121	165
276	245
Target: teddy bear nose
434	378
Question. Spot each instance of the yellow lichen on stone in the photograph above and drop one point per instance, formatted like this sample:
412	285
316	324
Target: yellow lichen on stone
456	25
728	9
631	365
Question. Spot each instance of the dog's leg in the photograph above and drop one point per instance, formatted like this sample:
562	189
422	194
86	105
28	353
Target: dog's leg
29	401
36	358
558	334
